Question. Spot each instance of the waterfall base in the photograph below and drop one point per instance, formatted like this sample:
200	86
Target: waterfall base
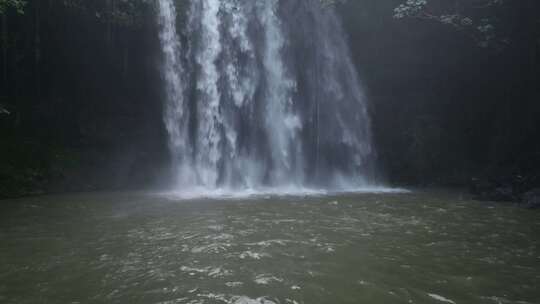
196	193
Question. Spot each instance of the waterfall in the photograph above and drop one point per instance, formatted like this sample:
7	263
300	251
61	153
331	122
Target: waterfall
176	116
262	93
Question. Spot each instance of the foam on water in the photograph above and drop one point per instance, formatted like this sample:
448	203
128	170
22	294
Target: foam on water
440	298
194	193
265	279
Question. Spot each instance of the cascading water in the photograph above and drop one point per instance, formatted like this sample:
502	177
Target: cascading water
263	93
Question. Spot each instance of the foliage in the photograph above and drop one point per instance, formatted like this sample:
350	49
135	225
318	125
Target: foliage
491	23
18	5
477	18
120	12
3	110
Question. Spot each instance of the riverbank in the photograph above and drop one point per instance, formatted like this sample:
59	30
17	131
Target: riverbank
32	167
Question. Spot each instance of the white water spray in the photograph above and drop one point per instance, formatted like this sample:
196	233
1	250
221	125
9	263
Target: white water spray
263	94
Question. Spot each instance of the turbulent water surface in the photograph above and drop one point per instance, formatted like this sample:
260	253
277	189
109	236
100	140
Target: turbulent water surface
348	248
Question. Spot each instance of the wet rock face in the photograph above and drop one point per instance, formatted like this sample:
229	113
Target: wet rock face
517	190
531	199
503	193
487	190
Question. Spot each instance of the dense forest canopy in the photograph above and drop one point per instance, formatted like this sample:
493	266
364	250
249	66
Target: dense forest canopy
453	89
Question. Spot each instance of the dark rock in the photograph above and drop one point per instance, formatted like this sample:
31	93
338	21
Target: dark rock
480	187
491	190
503	194
531	199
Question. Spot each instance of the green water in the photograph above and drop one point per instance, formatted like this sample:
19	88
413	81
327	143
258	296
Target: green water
365	248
